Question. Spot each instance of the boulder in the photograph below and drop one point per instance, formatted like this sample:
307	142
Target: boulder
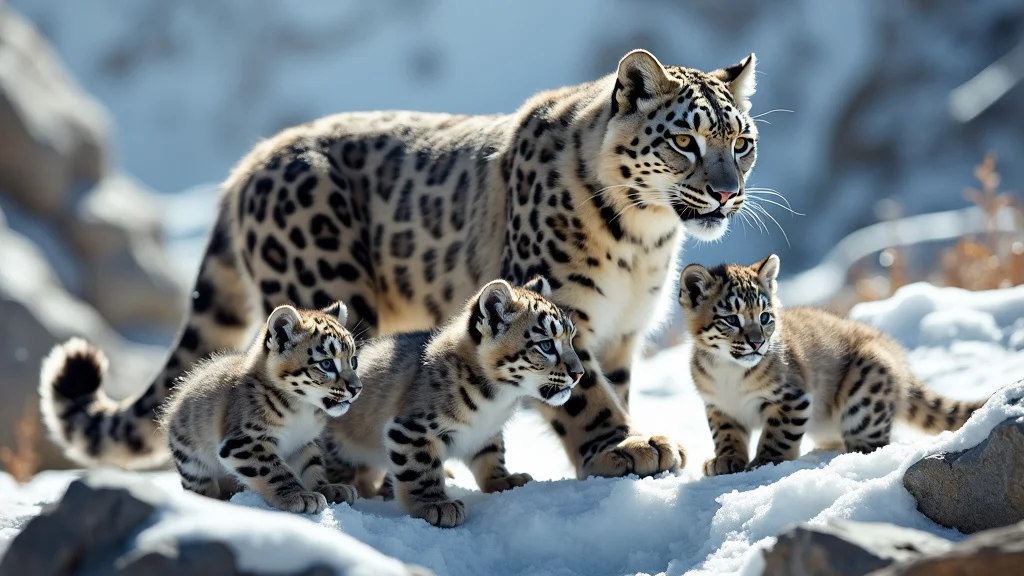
53	136
113	523
997	551
976	489
116	229
846	548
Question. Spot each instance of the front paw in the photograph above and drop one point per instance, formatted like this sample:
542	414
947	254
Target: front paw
640	455
443	514
304	502
338	493
720	465
760	461
507	483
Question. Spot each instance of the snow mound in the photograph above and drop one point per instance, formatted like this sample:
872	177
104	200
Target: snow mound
922	315
964	345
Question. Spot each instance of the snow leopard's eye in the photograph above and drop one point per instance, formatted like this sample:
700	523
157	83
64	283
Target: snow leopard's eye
766	318
732	320
326	365
546	346
355	362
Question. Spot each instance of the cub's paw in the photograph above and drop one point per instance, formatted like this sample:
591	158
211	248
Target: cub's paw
507	483
304	502
338	493
443	514
640	455
760	461
720	465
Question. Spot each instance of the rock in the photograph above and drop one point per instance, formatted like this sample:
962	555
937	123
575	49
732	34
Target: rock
997	551
38	313
53	136
116	228
977	489
846	548
109	524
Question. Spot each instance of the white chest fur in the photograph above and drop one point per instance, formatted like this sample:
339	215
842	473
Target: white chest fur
733	396
302	425
487	421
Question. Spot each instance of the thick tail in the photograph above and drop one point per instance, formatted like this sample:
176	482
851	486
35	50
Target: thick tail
92	428
932	412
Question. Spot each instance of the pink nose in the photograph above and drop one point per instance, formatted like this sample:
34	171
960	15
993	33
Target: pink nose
724	196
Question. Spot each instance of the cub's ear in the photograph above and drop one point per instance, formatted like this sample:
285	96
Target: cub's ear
695	283
338	310
641	81
494	308
540	285
768	272
281	327
740	79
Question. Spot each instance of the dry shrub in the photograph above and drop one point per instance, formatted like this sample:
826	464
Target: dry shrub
994	261
23	461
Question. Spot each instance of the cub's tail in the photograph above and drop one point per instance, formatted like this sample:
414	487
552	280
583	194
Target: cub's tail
80	417
931	412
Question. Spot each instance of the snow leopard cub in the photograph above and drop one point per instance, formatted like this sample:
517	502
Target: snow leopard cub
447	393
794	370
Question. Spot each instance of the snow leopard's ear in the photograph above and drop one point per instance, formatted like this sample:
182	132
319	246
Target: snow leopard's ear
281	327
768	272
641	82
740	79
540	285
492	310
695	282
338	310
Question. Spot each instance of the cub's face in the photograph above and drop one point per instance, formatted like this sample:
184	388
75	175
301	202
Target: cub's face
681	139
312	355
731	310
525	340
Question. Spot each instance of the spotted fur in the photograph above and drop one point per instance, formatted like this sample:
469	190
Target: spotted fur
791	371
431	396
402	215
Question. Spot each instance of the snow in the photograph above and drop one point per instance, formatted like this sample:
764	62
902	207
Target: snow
966	345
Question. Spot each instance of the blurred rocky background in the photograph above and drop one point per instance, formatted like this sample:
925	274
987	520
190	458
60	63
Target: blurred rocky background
117	120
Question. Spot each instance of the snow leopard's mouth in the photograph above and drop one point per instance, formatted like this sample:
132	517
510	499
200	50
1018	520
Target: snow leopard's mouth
335	408
555	395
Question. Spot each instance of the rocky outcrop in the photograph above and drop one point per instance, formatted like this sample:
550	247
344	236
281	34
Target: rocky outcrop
844	548
95	531
55	166
999	551
977	489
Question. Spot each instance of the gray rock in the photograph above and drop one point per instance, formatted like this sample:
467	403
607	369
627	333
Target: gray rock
53	136
977	489
846	548
91	532
116	229
997	551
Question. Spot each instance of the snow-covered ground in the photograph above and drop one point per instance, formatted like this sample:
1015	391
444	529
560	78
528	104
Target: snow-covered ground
967	345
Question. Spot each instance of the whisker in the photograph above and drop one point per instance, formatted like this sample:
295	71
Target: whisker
769	191
770	111
765	212
783	206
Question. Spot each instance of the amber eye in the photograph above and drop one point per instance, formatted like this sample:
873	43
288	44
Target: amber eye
683	142
742	145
